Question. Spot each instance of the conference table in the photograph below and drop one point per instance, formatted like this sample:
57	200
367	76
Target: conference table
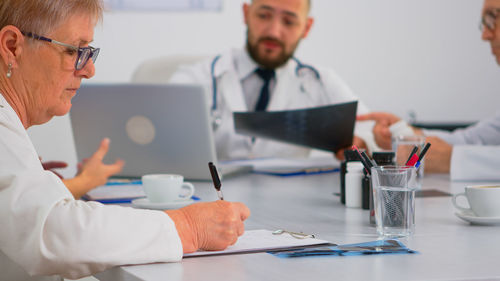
448	247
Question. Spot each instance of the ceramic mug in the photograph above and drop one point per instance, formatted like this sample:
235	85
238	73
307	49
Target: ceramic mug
161	188
484	200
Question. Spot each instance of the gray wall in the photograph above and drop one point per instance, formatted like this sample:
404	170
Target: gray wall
423	56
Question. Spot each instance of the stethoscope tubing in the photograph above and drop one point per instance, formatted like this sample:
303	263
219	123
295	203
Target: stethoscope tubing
299	67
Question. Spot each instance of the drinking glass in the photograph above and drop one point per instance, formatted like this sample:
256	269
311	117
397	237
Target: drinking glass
394	199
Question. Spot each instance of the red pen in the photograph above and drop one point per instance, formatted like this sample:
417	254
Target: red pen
415	149
413	160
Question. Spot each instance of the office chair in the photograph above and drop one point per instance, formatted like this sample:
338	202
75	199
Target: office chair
159	70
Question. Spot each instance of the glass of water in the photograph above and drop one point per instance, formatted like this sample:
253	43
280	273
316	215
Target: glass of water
394	199
403	146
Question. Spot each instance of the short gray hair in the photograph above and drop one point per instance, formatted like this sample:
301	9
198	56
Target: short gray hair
44	16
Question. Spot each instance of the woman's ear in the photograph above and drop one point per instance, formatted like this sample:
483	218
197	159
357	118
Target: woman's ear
11	44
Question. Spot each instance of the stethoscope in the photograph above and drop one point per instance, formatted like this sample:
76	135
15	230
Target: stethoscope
216	115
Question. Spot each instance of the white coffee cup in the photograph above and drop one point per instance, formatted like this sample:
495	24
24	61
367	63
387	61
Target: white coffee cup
160	188
484	200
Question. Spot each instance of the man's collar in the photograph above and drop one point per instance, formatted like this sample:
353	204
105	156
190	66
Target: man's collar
245	64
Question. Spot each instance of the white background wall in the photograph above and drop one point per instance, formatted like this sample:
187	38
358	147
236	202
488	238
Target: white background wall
424	56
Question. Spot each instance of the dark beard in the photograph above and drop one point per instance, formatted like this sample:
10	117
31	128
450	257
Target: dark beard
268	64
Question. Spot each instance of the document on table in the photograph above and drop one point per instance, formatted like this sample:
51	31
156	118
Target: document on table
115	193
290	166
255	241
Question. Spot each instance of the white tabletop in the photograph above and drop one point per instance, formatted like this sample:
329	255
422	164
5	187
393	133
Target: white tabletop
450	249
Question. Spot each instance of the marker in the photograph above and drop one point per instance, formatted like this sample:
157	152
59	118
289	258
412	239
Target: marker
215	179
414	150
370	162
363	160
413	160
422	154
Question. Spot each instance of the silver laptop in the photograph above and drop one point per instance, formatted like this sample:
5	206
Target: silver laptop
154	128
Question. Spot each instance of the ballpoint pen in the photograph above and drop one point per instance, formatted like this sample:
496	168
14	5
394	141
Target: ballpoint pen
215	179
422	154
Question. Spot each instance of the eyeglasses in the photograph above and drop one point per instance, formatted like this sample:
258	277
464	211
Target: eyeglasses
84	53
489	19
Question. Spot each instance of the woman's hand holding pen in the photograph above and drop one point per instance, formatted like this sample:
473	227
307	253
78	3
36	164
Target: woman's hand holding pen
209	226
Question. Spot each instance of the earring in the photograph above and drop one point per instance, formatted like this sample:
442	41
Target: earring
9	71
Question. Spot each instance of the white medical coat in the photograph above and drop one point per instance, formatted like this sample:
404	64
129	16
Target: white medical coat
291	91
476	150
45	231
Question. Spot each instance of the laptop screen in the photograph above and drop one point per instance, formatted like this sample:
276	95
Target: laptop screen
154	128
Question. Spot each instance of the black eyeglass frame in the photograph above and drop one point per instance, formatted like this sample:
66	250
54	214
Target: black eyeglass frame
84	53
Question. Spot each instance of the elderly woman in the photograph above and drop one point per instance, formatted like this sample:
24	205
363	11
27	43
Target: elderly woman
45	233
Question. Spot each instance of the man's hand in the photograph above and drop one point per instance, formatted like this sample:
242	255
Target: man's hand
358	142
93	172
209	226
438	157
381	132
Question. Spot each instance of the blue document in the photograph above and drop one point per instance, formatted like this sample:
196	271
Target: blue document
368	248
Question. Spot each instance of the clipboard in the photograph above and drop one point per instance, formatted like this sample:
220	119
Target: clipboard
328	128
259	241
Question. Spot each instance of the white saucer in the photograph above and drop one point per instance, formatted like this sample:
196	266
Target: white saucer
145	204
473	219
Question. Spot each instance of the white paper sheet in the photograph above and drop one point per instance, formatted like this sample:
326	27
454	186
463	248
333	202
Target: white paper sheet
261	241
290	165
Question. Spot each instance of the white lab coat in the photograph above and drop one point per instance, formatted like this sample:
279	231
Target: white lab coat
291	91
44	231
476	150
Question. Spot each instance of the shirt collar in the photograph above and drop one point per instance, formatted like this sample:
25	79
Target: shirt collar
245	65
3	101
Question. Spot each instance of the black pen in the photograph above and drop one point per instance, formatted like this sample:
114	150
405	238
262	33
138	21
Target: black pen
370	162
363	160
215	179
422	154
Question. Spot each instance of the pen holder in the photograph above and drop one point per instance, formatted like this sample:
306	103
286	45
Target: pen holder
394	197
